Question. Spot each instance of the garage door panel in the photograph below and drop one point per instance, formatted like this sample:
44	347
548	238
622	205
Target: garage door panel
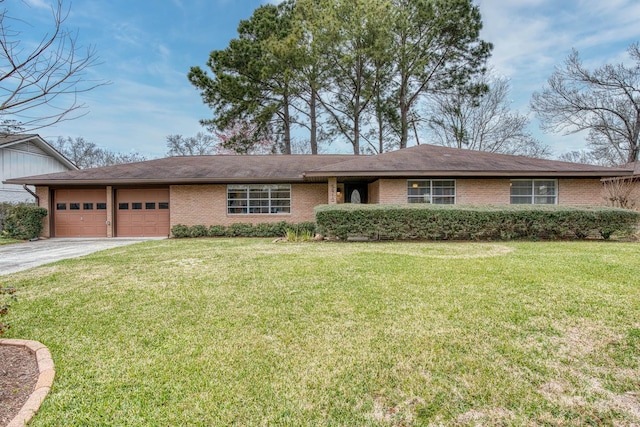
139	212
80	213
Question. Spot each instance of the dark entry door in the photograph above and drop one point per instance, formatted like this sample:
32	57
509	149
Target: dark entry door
355	193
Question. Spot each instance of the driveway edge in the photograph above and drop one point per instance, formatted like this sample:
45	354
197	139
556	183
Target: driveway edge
43	385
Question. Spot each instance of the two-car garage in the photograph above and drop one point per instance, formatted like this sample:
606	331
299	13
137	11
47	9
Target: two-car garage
89	212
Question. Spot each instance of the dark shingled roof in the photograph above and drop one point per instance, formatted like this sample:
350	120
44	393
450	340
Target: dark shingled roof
421	160
432	160
193	169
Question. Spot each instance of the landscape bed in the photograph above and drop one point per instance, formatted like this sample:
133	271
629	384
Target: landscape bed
249	332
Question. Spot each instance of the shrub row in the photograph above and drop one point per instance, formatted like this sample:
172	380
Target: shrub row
21	221
441	222
276	229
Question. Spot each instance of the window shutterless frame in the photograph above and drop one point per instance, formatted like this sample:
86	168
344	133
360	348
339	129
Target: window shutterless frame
534	191
436	191
259	199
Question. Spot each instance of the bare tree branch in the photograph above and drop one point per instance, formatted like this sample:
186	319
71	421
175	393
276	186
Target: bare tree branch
605	102
39	86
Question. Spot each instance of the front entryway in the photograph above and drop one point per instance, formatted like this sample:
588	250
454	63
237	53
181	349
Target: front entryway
355	193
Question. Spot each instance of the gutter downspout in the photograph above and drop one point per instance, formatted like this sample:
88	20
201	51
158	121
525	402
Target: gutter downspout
28	190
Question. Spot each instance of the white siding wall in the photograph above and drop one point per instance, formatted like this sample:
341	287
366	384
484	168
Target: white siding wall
25	159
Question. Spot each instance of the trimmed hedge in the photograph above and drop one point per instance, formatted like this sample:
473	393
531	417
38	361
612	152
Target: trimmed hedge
276	229
23	221
458	222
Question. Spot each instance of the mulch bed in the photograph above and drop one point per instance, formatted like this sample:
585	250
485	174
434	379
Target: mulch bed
18	377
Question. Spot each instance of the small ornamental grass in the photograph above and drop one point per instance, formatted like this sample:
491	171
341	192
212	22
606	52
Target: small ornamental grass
247	332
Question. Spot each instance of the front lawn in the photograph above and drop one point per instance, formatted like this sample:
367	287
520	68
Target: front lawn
7	241
248	332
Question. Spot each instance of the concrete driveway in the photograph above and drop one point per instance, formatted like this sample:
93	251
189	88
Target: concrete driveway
22	256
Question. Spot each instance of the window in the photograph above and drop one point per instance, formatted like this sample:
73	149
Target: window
534	191
258	199
87	206
136	206
74	206
163	205
61	206
101	206
123	206
150	205
436	191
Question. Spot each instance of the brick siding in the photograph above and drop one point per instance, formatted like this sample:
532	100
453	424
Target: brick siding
580	192
43	198
207	205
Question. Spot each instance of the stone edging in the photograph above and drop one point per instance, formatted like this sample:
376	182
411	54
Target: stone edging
43	385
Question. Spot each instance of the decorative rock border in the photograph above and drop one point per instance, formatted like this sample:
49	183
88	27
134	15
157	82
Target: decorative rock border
43	385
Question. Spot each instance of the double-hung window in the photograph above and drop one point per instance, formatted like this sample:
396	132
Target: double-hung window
436	191
259	199
534	191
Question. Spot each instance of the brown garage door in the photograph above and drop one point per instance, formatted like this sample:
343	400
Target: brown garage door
80	213
142	212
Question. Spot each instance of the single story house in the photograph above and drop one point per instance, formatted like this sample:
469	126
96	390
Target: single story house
23	155
148	198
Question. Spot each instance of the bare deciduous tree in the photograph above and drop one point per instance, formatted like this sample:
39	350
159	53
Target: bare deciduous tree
86	154
482	121
198	145
40	83
621	192
605	102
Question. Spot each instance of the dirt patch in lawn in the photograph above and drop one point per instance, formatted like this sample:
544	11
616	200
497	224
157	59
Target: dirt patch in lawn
18	377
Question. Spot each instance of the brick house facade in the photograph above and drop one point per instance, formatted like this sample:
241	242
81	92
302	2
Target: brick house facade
148	198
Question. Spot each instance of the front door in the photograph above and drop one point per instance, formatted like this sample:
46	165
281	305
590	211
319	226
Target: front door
355	193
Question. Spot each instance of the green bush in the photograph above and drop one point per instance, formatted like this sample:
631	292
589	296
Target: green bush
23	221
217	231
198	231
4	212
180	231
274	229
442	222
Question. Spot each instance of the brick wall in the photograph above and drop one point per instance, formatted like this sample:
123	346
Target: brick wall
483	191
43	197
207	205
393	191
496	191
374	192
580	192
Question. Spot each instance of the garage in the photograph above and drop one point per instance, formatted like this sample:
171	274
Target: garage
80	213
142	212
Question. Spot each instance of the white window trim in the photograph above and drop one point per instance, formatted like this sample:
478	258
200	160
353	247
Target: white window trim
533	186
431	181
260	187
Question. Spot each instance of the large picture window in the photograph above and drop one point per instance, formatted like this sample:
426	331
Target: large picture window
436	191
534	191
259	199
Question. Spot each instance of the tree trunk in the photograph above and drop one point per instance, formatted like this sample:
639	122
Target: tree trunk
286	125
313	139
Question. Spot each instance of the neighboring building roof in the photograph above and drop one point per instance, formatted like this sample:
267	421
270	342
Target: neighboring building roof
422	160
7	140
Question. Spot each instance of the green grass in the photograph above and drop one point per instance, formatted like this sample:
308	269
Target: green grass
7	241
248	332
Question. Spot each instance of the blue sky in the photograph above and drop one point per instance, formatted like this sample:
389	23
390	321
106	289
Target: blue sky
147	48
